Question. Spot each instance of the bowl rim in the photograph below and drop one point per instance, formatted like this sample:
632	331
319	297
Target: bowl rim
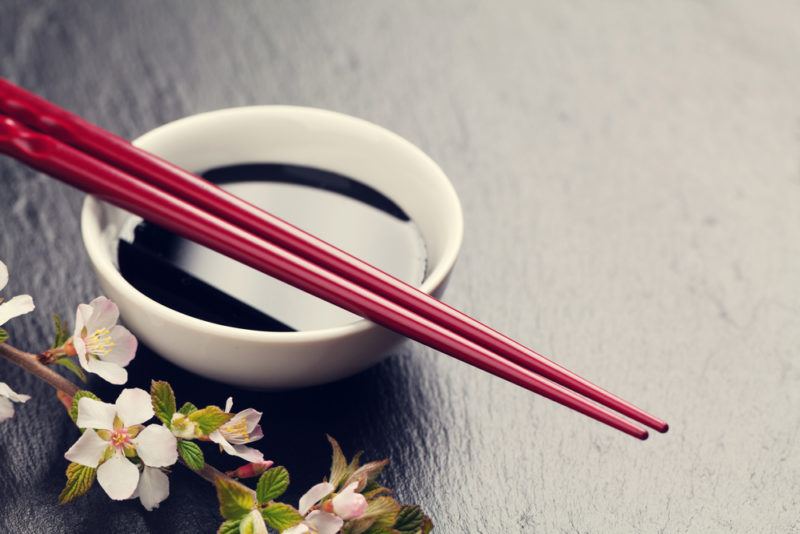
101	260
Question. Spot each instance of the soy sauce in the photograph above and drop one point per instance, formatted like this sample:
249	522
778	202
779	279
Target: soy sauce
207	285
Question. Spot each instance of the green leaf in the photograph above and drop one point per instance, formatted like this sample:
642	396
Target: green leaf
79	479
230	526
281	516
70	364
187	408
210	418
163	399
62	335
3	335
191	454
409	520
73	413
235	500
272	484
385	510
427	525
339	467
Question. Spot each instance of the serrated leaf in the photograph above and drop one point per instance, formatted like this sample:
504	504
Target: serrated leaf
366	473
191	454
70	364
187	408
427	525
62	335
3	335
379	518
409	519
163	399
272	484
79	479
235	500
339	467
210	418
230	526
385	511
73	413
281	516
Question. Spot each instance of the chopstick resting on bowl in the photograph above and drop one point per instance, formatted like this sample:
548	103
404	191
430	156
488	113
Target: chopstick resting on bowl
423	311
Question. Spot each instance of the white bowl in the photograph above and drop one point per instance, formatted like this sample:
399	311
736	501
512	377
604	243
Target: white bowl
289	135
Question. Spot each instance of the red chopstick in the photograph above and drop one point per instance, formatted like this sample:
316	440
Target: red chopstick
69	128
81	170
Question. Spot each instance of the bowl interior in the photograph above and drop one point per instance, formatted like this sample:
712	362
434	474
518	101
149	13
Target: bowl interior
299	136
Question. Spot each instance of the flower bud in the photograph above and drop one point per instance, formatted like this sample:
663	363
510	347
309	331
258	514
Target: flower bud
251	470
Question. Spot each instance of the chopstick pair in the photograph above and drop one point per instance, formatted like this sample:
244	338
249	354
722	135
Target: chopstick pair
61	144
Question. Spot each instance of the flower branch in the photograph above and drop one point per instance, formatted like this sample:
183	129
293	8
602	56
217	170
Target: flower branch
129	455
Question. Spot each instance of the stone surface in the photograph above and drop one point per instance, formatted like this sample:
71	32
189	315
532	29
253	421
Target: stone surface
630	174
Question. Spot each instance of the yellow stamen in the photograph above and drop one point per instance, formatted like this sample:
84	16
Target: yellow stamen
100	343
236	428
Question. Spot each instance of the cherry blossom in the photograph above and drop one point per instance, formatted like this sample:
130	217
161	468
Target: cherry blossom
16	306
103	346
345	505
7	395
114	433
242	428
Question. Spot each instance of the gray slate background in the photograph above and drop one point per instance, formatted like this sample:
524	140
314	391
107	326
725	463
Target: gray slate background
630	173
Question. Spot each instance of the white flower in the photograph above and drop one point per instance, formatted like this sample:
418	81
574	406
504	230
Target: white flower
6	396
103	346
114	432
242	428
183	427
346	505
16	306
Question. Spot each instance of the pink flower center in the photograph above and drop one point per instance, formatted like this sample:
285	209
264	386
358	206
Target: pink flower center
120	438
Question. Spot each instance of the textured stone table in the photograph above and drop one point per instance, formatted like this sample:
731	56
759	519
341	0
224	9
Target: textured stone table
630	174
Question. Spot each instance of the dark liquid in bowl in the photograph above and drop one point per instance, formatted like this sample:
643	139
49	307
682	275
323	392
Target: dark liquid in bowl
202	283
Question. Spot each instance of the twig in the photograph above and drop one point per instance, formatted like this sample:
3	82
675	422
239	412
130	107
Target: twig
30	362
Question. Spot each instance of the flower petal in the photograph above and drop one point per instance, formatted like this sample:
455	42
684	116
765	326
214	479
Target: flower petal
324	523
6	409
156	446
248	453
348	504
134	406
88	450
16	306
95	414
7	392
118	476
217	437
104	314
110	372
82	315
80	348
302	528
253	523
314	495
229	404
124	348
153	488
3	275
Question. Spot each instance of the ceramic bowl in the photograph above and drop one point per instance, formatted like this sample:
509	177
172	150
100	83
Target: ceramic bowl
288	135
